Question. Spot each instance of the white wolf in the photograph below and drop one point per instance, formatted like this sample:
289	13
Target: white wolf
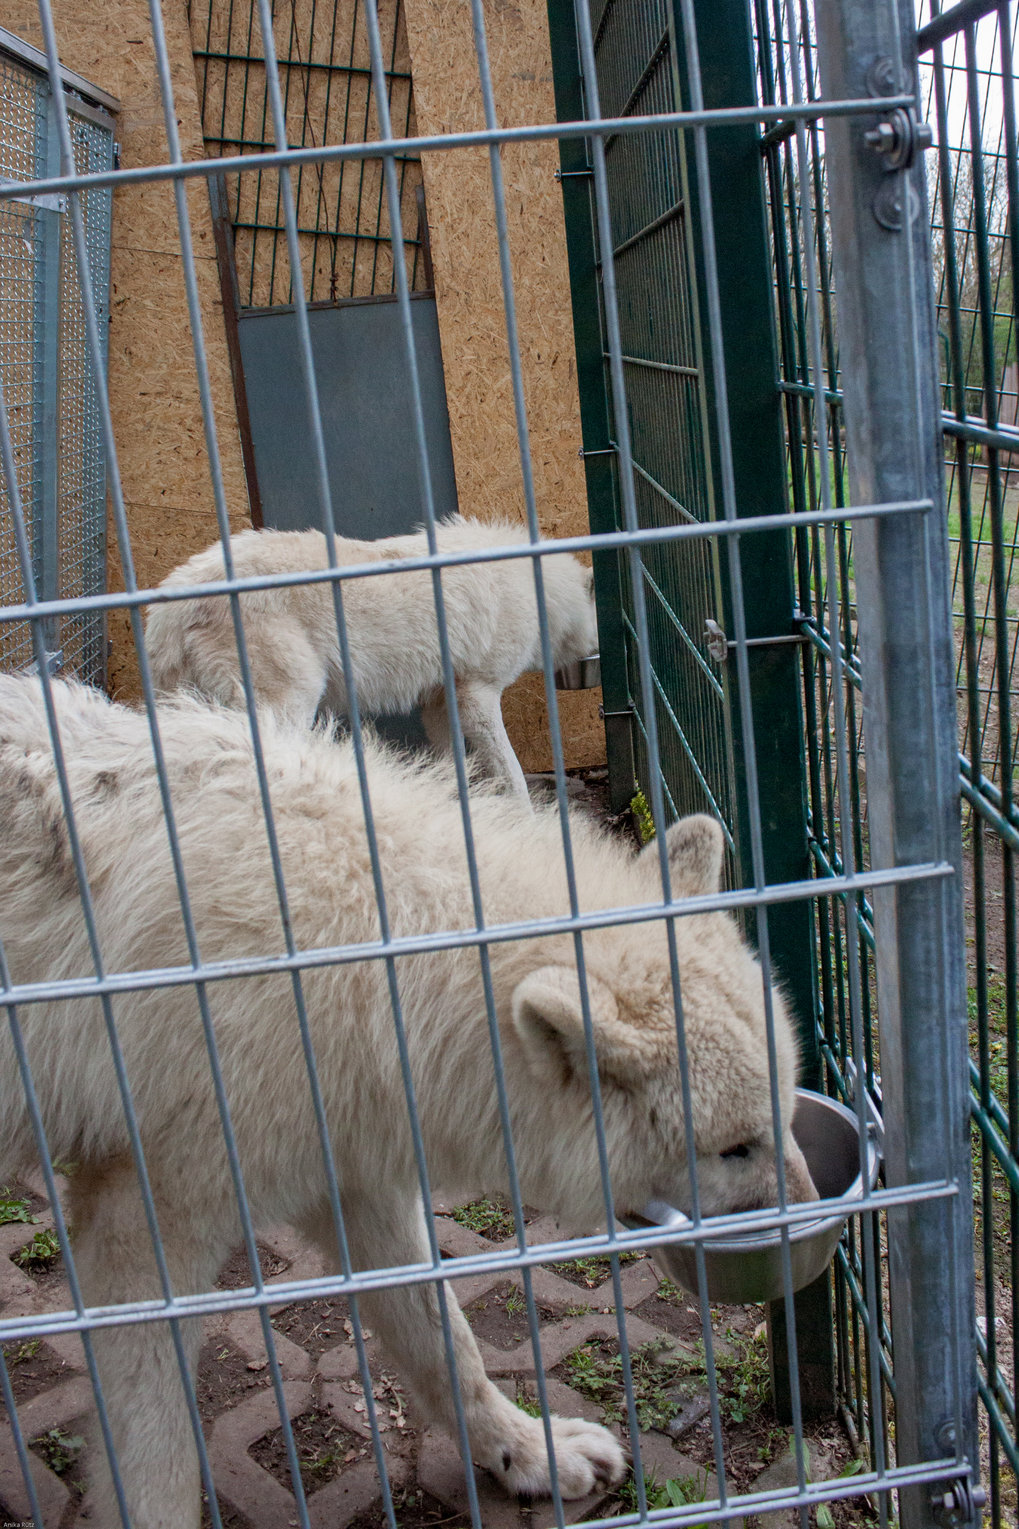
332	902
294	652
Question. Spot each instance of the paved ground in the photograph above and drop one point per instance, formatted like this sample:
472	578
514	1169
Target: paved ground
327	1409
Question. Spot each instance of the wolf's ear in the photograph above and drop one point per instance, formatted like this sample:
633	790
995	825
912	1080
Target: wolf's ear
548	1018
695	846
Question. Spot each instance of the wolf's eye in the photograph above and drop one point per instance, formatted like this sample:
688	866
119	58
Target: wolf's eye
741	1151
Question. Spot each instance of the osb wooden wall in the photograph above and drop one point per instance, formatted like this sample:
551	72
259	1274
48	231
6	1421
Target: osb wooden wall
470	304
153	388
153	385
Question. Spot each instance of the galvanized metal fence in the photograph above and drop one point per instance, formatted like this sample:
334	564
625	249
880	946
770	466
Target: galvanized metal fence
689	504
47	373
967	93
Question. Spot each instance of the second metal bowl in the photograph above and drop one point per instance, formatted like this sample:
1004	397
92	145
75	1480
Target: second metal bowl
582	674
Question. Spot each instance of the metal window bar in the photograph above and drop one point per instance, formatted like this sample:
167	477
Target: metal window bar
323	55
887	1476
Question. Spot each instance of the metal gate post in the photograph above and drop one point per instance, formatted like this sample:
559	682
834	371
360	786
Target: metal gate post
892	409
596	426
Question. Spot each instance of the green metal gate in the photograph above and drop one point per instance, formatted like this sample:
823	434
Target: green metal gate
671	388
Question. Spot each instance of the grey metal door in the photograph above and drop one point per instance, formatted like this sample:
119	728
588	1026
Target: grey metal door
364	396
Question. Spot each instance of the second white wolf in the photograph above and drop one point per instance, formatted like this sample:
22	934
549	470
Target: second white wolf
491	619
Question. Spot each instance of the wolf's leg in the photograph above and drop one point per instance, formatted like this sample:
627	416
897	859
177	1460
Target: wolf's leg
483	728
505	1440
435	721
287	674
138	1367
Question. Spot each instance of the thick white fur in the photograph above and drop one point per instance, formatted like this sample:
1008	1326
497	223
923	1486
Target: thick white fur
332	902
294	653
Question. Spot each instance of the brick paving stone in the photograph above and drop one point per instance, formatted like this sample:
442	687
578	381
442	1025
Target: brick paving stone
353	1493
240	1480
53	1496
441	1475
244	1330
419	1457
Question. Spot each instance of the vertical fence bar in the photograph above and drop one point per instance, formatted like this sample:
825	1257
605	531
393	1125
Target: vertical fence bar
46	497
887	333
600	466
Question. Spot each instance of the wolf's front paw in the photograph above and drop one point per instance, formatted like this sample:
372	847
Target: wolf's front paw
586	1456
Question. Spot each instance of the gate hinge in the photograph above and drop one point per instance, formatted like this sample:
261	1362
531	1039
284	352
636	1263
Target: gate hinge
899	138
960	1506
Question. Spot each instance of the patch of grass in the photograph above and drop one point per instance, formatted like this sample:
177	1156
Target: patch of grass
527	1402
596	1371
676	1492
743	1379
664	1375
14	1208
642	816
40	1252
60	1450
591	1271
489	1218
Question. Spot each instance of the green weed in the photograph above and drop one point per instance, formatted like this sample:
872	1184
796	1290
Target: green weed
489	1218
14	1208
24	1351
676	1492
642	816
60	1450
40	1252
596	1371
526	1402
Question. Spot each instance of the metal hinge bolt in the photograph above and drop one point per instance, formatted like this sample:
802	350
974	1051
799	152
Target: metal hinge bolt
900	138
959	1506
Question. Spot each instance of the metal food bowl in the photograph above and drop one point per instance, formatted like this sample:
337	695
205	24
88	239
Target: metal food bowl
746	1269
582	674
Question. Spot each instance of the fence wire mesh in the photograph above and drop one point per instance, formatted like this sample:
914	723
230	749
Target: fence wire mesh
46	371
967	89
673	534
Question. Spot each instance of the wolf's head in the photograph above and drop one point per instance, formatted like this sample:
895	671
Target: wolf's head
569	602
723	1017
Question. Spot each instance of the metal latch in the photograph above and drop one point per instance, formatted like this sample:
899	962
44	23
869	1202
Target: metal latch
718	643
716	640
51	201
